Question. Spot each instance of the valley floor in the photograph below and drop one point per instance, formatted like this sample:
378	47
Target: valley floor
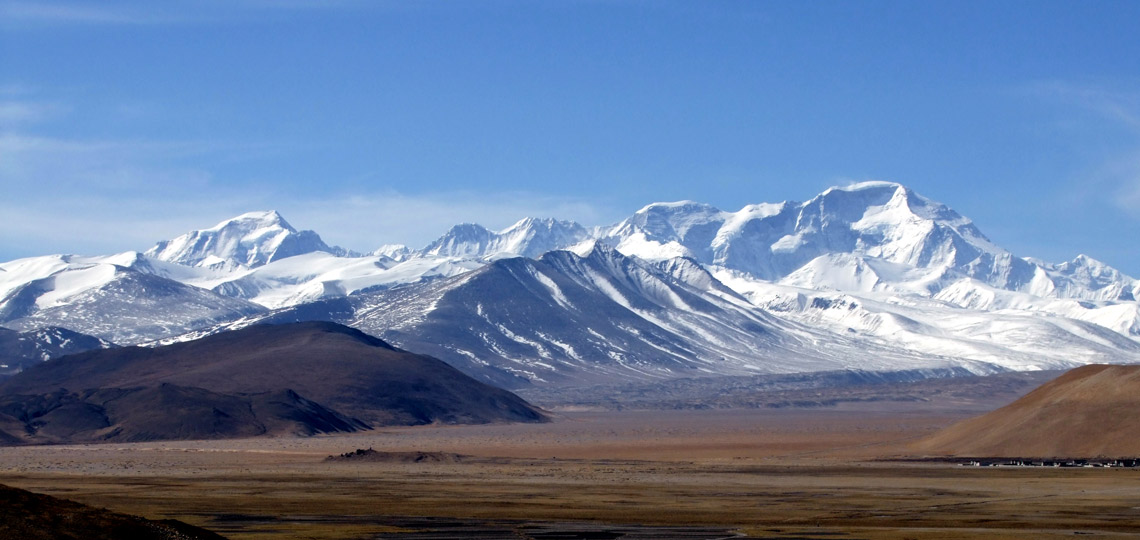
784	473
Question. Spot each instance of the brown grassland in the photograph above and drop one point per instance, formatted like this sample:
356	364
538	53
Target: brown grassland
787	473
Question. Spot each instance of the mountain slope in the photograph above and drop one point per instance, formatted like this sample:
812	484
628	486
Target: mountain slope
117	303
570	319
1018	339
313	276
268	379
1087	412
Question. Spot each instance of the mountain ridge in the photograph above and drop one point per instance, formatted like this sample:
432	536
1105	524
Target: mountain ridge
873	263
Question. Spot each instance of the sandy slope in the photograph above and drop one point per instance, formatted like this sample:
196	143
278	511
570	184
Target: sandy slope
1088	412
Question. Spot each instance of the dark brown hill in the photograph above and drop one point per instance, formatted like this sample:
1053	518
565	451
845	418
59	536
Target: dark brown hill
31	516
302	378
1088	412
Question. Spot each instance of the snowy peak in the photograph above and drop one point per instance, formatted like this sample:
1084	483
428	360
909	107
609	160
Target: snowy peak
529	237
685	222
246	241
1092	276
396	252
850	204
532	237
875	203
890	222
878	220
463	240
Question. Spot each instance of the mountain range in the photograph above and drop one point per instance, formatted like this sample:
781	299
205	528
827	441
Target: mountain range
871	276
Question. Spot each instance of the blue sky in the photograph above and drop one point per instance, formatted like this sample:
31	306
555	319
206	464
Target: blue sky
372	122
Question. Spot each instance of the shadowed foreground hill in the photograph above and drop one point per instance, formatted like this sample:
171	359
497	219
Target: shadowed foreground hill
1089	411
30	516
302	378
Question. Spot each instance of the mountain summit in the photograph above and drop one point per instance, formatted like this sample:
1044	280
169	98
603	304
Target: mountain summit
870	236
880	220
530	237
249	240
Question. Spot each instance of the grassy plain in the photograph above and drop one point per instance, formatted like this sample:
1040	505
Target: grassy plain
786	473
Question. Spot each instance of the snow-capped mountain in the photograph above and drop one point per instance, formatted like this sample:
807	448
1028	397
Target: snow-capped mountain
881	241
570	319
120	298
246	241
528	238
870	276
872	236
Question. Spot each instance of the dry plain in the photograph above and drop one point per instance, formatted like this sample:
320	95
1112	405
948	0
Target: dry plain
760	473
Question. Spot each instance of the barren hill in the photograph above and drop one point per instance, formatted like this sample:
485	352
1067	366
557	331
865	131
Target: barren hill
301	378
31	516
1089	411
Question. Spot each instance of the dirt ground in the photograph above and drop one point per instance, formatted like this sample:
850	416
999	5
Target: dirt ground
787	473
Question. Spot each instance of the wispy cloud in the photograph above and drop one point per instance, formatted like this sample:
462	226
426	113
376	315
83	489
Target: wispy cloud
1123	172
107	194
14	113
86	13
16	12
1117	106
1107	109
366	221
103	196
94	224
34	164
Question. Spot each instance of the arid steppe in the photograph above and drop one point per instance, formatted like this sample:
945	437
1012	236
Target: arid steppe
761	473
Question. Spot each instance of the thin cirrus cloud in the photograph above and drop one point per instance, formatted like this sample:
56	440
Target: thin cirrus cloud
14	113
42	166
1113	105
89	13
367	221
101	195
96	224
16	12
1117	176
